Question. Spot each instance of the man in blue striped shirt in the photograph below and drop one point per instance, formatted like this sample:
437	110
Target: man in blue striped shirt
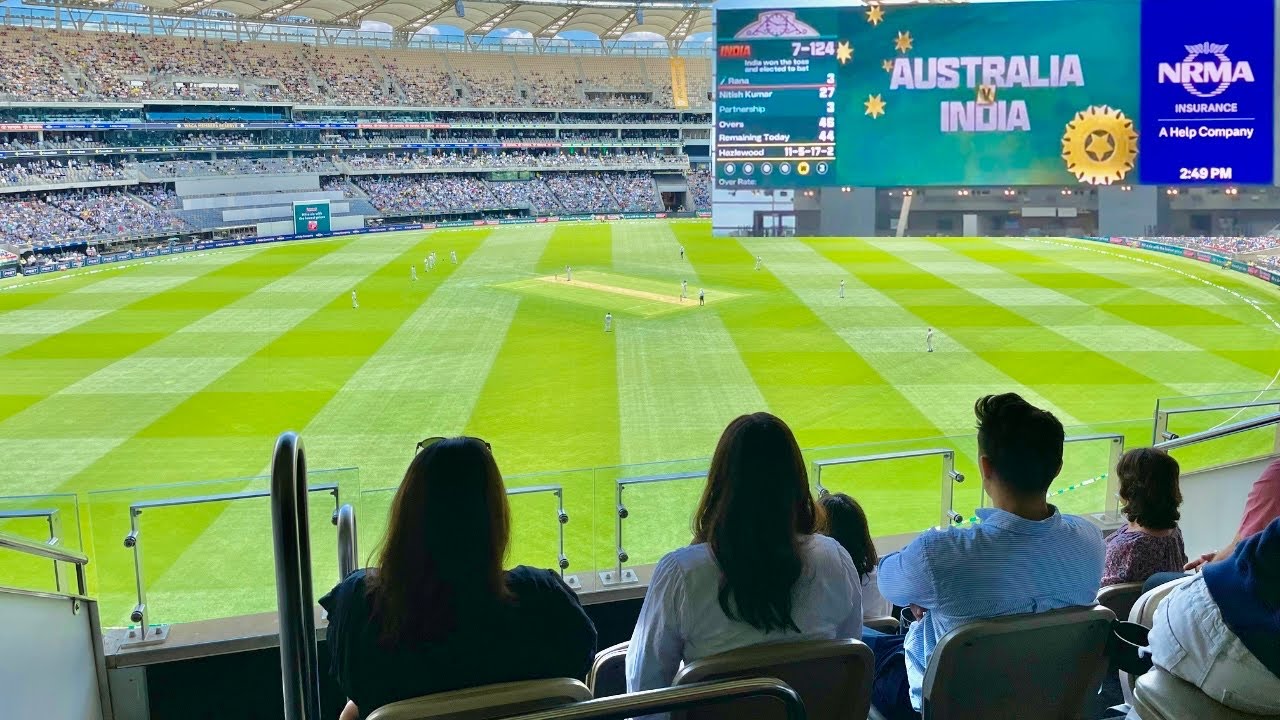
1023	557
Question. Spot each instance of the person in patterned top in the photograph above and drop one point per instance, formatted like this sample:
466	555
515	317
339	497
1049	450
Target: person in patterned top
1150	542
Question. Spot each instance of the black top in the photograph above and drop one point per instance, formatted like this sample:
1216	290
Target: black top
543	633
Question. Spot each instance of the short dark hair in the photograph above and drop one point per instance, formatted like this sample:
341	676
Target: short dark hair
845	522
1149	488
1022	442
754	510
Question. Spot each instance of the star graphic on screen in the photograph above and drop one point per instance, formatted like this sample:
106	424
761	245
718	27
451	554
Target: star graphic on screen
844	52
903	42
874	105
1100	146
875	15
887	65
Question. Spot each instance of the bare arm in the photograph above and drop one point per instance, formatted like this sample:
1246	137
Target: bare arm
1206	558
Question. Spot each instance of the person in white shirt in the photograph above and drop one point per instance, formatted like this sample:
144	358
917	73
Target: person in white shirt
759	262
757	570
568	274
842	289
608	322
453	255
354	303
684	290
928	340
845	522
413	273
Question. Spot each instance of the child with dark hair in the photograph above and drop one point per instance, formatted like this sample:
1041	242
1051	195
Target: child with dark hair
1151	541
845	522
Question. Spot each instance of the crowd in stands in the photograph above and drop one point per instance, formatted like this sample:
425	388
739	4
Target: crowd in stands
57	172
237	166
51	65
768	563
1229	245
531	159
58	217
700	188
546	193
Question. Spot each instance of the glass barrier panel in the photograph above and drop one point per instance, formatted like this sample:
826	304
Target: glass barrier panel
539	536
203	550
52	519
1248	445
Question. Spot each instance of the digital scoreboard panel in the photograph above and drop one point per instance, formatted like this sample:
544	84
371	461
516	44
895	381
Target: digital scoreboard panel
1031	93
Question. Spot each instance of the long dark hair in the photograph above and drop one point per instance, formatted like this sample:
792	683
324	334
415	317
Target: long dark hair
846	523
754	509
445	544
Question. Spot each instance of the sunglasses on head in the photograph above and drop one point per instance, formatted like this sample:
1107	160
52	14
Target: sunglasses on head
423	445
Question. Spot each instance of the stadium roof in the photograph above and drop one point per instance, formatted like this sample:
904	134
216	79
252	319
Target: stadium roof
608	19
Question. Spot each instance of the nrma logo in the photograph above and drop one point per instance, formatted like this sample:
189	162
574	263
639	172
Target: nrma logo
1206	64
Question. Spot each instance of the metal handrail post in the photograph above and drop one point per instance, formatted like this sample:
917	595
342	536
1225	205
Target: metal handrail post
292	544
348	547
49	552
1112	511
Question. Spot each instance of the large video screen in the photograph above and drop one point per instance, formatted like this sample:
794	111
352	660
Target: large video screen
1030	93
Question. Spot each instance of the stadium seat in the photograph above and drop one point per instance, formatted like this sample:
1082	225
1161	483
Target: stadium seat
889	625
609	672
1000	667
833	677
1119	599
1144	613
1159	695
487	701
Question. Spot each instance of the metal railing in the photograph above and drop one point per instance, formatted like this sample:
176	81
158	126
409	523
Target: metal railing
50	552
141	614
53	518
348	542
1182	441
291	538
949	475
681	697
620	575
1160	432
562	519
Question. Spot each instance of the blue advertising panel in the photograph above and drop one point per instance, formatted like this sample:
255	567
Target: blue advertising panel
1207	92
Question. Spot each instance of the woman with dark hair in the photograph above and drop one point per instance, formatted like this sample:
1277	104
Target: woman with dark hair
756	571
439	612
1150	542
846	523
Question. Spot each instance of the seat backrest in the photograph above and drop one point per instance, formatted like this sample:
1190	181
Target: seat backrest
833	678
1143	612
609	672
1001	667
1119	599
1162	696
487	701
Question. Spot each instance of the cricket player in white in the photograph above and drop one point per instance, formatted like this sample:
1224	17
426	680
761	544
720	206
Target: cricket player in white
413	273
432	259
928	340
684	289
568	273
702	296
354	303
841	288
453	255
608	322
759	260
426	264
681	252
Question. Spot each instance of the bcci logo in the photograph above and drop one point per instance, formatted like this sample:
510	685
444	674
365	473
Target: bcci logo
1206	66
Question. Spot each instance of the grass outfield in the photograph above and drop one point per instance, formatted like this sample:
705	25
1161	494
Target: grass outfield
186	369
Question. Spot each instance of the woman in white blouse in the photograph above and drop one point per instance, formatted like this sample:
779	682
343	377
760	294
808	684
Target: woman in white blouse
756	572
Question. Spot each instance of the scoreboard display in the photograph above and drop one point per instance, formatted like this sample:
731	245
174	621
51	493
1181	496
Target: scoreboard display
1013	93
776	103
